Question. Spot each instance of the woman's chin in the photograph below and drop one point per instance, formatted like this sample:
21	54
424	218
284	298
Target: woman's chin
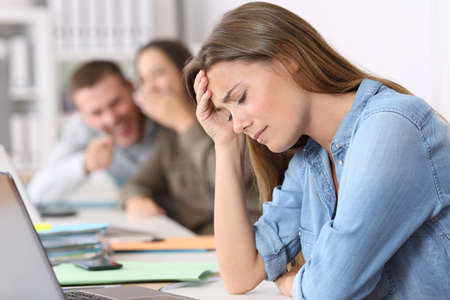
276	148
279	148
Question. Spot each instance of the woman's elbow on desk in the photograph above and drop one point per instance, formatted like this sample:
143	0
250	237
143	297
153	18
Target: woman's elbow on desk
236	287
242	280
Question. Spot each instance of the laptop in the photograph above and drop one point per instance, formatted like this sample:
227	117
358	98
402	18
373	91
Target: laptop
6	165
26	272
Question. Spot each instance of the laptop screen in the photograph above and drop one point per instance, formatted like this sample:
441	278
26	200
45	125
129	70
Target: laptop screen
6	165
25	270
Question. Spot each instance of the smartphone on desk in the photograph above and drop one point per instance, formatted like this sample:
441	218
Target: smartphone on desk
56	210
98	264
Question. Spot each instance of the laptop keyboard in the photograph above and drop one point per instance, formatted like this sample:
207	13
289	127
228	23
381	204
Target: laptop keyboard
79	295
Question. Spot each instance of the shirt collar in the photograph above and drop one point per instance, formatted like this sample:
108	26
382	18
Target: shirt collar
366	90
151	129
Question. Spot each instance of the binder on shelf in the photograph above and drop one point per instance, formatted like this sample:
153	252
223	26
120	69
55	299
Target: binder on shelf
19	65
95	27
93	37
60	30
145	21
110	25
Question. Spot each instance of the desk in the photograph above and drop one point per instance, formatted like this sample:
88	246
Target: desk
160	225
166	227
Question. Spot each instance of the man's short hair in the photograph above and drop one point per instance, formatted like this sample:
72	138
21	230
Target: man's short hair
92	72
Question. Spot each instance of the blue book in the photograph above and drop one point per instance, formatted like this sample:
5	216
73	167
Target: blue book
72	229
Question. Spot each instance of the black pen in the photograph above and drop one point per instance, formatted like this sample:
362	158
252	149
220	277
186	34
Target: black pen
141	239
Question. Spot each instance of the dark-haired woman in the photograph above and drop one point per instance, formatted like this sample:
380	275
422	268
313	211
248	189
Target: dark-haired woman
178	179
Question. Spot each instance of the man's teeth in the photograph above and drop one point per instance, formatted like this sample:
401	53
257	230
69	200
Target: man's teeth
120	129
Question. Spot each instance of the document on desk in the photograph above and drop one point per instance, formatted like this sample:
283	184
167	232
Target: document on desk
200	242
133	271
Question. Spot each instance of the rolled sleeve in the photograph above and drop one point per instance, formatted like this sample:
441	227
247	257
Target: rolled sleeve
276	232
275	252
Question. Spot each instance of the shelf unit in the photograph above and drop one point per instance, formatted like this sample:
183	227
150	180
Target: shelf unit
52	60
41	94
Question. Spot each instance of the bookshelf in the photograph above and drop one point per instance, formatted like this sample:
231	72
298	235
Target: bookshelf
40	46
29	101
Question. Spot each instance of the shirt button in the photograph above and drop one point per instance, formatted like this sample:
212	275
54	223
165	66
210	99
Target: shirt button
300	234
340	162
337	146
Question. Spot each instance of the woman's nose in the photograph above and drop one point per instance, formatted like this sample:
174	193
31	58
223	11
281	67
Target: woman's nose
239	125
149	86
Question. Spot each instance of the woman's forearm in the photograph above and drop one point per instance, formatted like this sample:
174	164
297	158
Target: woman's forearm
240	265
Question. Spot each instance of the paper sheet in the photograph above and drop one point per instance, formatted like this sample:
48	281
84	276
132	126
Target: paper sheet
132	271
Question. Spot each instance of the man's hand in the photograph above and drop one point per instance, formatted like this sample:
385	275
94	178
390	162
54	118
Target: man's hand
286	281
98	154
141	207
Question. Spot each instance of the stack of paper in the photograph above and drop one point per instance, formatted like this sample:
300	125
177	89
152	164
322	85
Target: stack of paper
64	243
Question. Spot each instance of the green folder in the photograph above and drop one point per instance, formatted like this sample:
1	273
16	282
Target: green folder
133	271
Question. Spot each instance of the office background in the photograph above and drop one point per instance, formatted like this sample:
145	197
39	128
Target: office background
42	41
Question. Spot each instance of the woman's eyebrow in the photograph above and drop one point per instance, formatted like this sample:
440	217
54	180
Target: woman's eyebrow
227	96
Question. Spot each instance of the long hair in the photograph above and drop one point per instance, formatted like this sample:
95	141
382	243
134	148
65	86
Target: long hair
175	51
260	31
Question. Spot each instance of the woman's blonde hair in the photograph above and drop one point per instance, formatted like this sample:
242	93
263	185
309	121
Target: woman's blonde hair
260	31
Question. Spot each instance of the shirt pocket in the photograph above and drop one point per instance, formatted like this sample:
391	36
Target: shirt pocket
308	240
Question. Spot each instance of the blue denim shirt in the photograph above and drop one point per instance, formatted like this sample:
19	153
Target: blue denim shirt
388	236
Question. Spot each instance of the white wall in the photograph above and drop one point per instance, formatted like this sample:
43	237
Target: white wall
165	19
407	41
442	57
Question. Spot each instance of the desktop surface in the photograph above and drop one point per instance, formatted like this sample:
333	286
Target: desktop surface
165	227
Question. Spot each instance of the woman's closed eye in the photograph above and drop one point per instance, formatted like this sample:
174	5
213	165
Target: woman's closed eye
243	97
240	101
224	111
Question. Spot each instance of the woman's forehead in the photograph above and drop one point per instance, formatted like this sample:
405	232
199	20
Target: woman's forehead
228	73
223	78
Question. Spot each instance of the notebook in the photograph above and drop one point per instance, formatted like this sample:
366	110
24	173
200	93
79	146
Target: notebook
26	271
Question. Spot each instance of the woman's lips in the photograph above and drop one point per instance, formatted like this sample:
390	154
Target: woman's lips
258	134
